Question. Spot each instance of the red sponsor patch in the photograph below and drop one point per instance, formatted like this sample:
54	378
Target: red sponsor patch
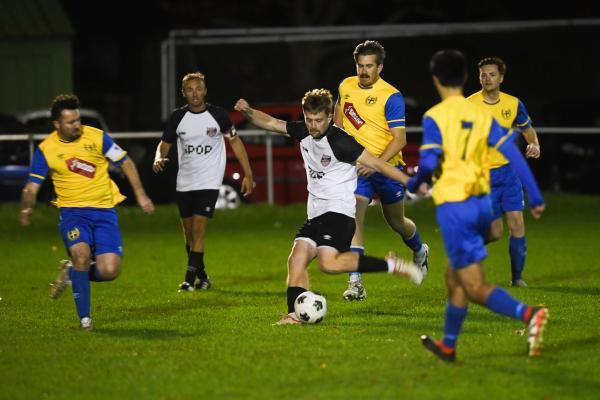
81	167
352	115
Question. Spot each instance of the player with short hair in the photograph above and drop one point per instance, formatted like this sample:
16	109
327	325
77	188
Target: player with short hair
457	138
372	111
507	191
199	128
76	157
329	155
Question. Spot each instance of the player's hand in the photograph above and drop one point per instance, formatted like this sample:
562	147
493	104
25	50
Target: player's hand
247	186
363	170
25	216
159	164
533	151
537	211
242	106
423	190
145	203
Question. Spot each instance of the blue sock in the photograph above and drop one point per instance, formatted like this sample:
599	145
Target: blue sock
81	291
414	242
355	276
501	302
518	250
453	325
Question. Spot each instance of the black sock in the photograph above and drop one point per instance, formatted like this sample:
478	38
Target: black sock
197	260
292	293
371	264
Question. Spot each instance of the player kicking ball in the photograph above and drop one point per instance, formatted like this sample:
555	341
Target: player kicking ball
330	156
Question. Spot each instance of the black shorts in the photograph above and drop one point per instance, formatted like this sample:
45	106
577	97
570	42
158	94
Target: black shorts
197	202
329	229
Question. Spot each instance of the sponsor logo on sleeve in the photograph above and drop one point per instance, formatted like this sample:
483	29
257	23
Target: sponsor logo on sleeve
81	167
352	115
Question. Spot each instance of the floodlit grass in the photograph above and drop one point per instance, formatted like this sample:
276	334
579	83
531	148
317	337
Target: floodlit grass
152	342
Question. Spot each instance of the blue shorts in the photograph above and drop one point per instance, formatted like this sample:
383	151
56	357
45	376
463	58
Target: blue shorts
507	191
389	190
464	226
98	227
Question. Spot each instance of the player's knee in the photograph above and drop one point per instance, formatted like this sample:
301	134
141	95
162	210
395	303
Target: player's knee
476	292
81	260
111	271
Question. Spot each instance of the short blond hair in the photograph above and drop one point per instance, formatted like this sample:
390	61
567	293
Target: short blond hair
190	77
317	100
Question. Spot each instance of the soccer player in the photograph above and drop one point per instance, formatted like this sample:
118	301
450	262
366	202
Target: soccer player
507	191
457	138
199	128
372	111
329	155
76	157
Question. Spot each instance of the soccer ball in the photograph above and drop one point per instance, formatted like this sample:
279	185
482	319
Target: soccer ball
310	307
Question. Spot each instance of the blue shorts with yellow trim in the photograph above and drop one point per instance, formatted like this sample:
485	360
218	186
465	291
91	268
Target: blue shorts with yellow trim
98	227
507	191
464	226
389	190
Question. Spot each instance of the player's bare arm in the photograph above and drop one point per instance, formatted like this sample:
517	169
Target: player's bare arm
28	197
240	152
533	145
394	146
369	160
160	158
130	171
338	119
260	119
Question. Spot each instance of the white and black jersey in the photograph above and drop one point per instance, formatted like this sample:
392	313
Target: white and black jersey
200	145
330	169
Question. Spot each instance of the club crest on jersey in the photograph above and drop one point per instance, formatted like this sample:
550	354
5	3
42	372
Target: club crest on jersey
90	147
506	113
370	100
81	167
73	235
352	115
325	160
211	132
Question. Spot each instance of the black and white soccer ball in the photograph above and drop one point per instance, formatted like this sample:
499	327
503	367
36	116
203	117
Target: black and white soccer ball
310	307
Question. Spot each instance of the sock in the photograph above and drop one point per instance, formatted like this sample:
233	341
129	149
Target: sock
196	260
81	291
371	264
453	324
518	250
355	276
292	294
501	302
414	242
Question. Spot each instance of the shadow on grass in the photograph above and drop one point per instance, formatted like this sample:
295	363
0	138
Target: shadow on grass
584	291
244	294
147	334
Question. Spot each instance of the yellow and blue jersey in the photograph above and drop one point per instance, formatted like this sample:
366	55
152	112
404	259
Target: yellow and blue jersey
369	113
510	112
79	169
460	134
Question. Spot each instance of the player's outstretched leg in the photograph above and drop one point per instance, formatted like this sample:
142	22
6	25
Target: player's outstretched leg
535	328
62	280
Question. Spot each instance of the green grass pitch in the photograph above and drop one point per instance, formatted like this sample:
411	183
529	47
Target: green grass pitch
151	342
